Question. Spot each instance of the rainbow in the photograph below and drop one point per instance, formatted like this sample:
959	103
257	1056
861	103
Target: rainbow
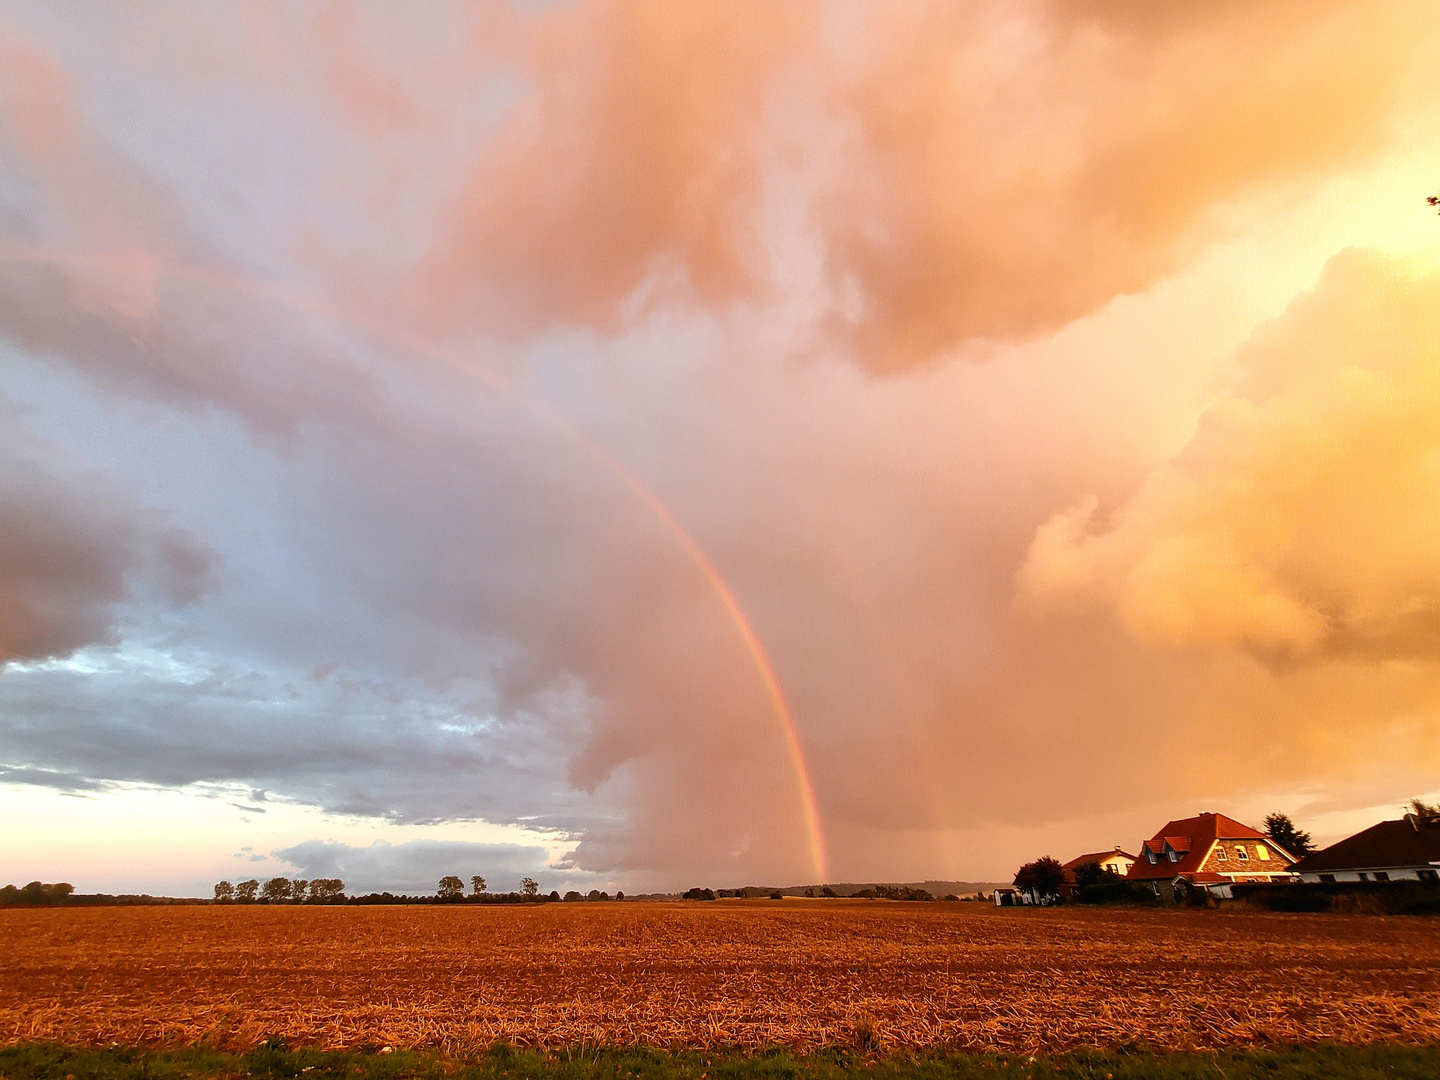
260	288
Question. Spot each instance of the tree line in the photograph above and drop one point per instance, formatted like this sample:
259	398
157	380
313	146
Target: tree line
281	890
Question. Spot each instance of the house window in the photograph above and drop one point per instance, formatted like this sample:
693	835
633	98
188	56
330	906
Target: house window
1261	851
1151	856
1364	876
1240	853
1430	877
1381	875
1174	856
1220	854
1328	879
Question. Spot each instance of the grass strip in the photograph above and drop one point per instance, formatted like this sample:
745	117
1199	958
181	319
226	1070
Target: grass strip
274	1060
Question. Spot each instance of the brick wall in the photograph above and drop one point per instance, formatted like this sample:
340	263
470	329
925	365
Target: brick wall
1231	863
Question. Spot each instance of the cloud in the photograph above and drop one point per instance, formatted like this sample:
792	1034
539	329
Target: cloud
66	782
956	172
1300	521
73	547
677	231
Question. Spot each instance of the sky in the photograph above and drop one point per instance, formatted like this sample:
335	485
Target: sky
640	445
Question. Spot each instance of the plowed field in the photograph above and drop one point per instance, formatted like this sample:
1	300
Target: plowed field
703	974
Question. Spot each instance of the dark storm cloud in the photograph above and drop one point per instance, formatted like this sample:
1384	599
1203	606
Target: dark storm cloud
73	546
137	716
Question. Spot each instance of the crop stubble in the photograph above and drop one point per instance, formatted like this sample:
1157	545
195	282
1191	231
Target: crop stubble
710	974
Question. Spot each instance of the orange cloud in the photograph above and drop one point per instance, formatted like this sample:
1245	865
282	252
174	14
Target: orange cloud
983	170
1302	520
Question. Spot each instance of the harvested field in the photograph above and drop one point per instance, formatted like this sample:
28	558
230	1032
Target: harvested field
709	974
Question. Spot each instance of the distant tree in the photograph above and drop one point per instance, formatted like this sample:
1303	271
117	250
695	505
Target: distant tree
1424	809
1282	830
554	894
619	896
37	892
477	885
572	896
245	891
224	892
828	891
277	888
327	890
810	892
1040	878
450	888
298	888
529	887
777	895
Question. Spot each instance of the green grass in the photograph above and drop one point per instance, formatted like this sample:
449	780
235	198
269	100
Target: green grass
275	1061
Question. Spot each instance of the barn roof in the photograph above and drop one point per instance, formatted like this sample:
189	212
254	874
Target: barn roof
1409	841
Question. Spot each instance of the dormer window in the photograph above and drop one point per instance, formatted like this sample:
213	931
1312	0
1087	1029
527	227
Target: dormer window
1240	853
1174	856
1151	856
1220	855
1261	851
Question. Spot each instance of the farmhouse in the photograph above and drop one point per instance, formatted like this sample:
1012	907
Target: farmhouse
1208	851
1404	850
1115	860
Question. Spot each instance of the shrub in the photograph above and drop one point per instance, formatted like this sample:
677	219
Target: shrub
1118	891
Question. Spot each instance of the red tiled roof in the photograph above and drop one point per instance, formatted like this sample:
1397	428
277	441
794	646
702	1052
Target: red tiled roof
1191	838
